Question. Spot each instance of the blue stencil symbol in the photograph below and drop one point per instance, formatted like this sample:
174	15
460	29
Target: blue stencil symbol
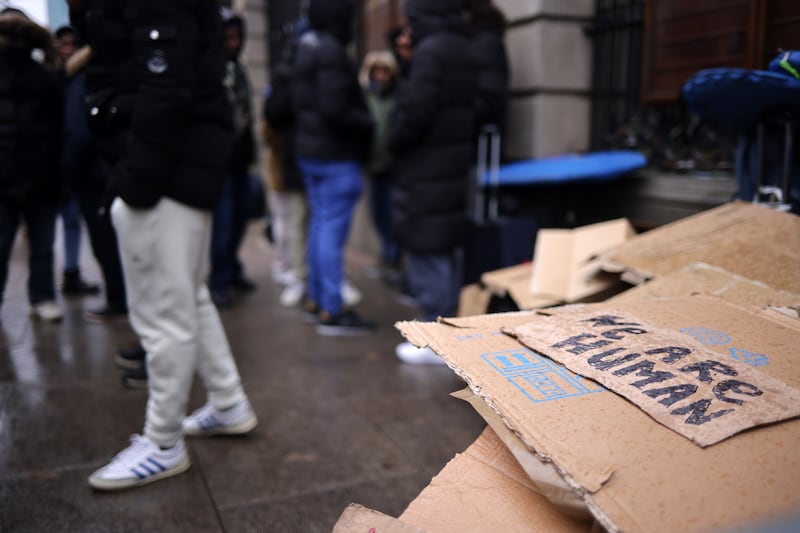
748	357
707	336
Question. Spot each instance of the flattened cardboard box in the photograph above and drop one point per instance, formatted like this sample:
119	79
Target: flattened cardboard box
634	473
746	239
702	278
484	489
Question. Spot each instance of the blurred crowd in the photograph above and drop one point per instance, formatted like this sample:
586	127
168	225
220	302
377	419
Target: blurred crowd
136	122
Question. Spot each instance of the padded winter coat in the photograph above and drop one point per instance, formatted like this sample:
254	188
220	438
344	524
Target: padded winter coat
433	130
155	98
30	115
331	120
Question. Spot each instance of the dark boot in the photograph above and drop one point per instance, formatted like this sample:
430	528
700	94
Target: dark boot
74	285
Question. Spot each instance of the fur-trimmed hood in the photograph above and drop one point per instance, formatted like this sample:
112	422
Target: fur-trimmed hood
78	61
20	34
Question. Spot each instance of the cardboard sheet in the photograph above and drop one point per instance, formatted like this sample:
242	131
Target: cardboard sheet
749	240
515	281
546	479
633	473
484	489
702	278
359	519
565	263
668	374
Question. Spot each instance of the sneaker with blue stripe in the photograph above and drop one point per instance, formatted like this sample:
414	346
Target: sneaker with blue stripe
140	463
208	420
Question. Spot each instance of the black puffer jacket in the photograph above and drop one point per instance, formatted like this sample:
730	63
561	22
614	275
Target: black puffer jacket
433	130
156	100
331	118
30	115
490	54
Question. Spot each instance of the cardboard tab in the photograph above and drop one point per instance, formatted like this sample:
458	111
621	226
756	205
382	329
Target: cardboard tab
359	519
564	263
672	377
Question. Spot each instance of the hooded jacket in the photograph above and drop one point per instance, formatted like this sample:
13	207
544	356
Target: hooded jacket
330	116
30	114
239	96
155	98
433	129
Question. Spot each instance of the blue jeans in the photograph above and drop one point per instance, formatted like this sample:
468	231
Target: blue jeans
40	223
435	281
71	219
381	206
227	231
333	189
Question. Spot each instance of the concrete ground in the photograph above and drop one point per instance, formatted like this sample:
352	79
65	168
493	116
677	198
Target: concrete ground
341	420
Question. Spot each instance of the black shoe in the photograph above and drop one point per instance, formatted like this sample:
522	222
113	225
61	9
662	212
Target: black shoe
131	356
135	378
311	313
74	285
345	324
242	284
109	313
222	299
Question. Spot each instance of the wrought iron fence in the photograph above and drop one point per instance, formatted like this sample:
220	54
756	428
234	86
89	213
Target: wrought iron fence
671	137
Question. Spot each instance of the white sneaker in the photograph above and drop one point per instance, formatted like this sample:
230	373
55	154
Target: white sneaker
140	463
293	293
350	294
48	311
208	420
408	353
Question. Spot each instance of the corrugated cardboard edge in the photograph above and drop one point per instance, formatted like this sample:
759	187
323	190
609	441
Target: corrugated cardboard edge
705	278
544	475
419	337
359	519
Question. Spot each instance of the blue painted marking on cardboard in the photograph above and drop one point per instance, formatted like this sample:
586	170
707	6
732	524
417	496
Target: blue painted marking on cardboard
713	337
707	336
539	378
748	357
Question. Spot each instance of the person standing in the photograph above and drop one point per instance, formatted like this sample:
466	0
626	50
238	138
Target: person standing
30	137
432	135
332	132
230	213
158	107
72	283
378	77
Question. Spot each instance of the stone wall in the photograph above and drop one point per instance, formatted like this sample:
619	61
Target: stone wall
551	62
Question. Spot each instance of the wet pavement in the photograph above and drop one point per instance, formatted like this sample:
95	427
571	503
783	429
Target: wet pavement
341	420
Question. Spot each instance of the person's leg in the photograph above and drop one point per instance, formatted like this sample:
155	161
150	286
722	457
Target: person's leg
40	220
71	220
435	281
221	236
381	204
160	248
315	223
280	210
103	239
298	231
339	187
9	224
240	184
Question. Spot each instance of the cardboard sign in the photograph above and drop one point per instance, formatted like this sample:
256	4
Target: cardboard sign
633	473
669	375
